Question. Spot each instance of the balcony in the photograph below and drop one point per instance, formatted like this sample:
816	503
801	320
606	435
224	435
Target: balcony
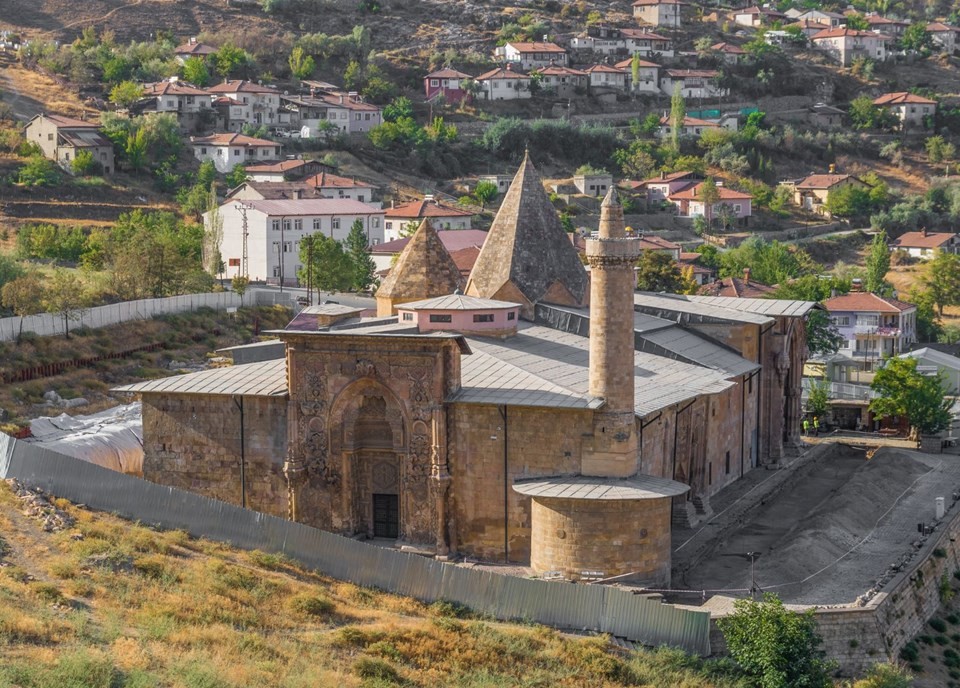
878	331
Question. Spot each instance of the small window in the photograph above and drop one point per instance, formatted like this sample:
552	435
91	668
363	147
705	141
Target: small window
375	221
728	462
408	316
275	225
286	225
298	224
441	318
335	223
434	82
49	137
483	317
511	315
316	223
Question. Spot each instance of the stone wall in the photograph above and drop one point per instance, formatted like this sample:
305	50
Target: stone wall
539	442
192	442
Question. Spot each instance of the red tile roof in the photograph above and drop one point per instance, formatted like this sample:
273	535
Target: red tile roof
325	179
902	97
641	3
421	209
559	70
534	47
283	166
673	176
604	68
844	32
655	243
737	288
760	10
923	239
454	240
501	73
866	302
823	181
877	20
692	73
729	48
940	27
465	258
447	73
231	140
194	49
724	193
70	122
241	86
628	63
173	88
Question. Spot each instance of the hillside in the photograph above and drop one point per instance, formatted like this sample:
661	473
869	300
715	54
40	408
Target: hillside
91	600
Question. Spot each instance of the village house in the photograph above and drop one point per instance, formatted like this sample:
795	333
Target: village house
594	183
192	106
192	48
646	44
912	110
242	102
728	52
62	138
400	217
888	27
846	45
612	41
658	189
503	83
229	150
811	192
323	185
386	430
930	360
691	127
463	245
501	180
694	83
825	116
648	75
807	27
755	17
532	55
604	76
651	242
738	287
564	82
446	83
830	19
276	227
600	39
925	245
285	170
872	327
658	12
691	263
944	35
335	110
731	207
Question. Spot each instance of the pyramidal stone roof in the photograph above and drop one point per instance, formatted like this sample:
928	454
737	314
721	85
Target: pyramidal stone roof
527	256
423	270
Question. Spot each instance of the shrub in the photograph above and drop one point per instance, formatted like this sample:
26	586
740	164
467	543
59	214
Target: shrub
375	668
885	676
450	610
84	163
312	605
38	171
910	652
48	592
268	560
939	625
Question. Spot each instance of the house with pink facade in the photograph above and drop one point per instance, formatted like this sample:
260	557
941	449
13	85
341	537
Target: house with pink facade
732	207
658	189
448	83
461	313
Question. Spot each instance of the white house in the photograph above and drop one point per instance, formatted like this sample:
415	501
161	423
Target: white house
276	227
909	108
593	184
755	16
193	49
612	41
501	180
925	245
532	55
189	103
645	44
944	35
242	102
563	82
229	150
441	216
658	12
323	185
503	83
648	75
694	83
846	45
691	127
604	76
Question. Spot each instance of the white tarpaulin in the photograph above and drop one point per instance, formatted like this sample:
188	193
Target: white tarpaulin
112	438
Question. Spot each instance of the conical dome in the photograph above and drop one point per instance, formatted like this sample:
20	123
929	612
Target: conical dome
423	270
527	256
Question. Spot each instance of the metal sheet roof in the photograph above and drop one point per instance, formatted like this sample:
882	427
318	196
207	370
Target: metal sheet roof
594	488
563	358
700	351
772	307
265	379
663	305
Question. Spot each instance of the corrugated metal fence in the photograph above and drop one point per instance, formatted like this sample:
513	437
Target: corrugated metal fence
562	605
46	324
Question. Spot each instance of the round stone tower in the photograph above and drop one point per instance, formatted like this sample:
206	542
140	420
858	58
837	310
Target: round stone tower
612	256
608	521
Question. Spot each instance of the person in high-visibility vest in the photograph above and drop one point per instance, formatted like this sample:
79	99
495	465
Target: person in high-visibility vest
806	426
816	426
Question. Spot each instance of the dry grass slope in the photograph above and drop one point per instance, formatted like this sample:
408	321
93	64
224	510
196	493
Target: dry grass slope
107	603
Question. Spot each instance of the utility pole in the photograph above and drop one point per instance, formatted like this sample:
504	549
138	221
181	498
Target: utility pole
244	267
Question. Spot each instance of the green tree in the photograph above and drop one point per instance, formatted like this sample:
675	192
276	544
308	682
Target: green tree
236	176
885	676
126	93
65	295
327	264
239	285
865	115
83	163
301	64
635	71
878	264
943	280
358	250
658	271
397	108
778	648
207	174
24	296
39	171
353	76
857	22
709	195
770	262
916	37
196	72
822	335
678	112
9	269
485	191
929	328
921	399
818	400
136	149
849	201
709	256
229	60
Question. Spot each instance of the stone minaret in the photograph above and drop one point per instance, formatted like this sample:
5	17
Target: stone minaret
612	256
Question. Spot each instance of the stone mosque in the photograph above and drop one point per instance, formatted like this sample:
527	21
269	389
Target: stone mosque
540	414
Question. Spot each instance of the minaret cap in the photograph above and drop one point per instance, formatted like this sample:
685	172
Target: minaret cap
611	217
